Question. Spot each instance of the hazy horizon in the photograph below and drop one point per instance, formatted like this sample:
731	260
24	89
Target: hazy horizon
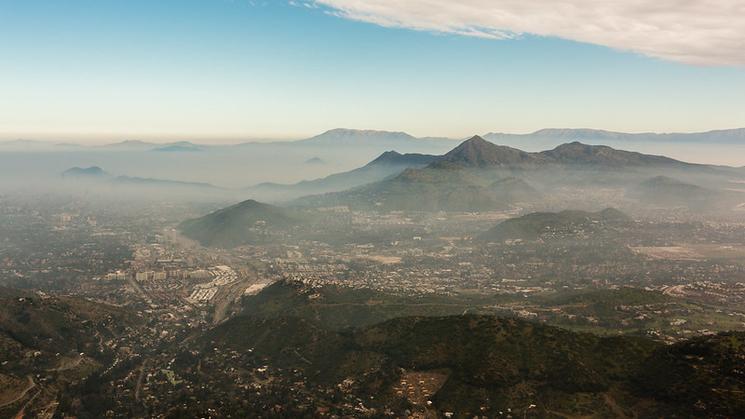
168	138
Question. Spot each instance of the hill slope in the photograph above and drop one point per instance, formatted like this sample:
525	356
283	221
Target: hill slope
248	222
703	374
482	364
576	153
555	225
425	189
513	189
668	192
479	153
52	326
387	164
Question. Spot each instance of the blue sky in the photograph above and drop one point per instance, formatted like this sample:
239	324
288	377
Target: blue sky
221	70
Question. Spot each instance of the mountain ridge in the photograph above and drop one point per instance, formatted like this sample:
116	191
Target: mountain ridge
477	152
720	136
389	163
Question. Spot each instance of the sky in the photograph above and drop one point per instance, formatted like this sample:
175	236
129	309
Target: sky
236	70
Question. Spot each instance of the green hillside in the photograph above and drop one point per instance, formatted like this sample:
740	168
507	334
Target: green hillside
484	364
556	225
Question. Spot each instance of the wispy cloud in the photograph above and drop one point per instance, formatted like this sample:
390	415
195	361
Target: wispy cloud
701	32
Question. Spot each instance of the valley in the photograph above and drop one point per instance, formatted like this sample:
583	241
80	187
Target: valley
376	300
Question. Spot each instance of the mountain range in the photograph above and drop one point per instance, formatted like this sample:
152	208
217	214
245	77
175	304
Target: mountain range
97	175
468	177
401	140
350	137
560	135
388	164
476	175
479	153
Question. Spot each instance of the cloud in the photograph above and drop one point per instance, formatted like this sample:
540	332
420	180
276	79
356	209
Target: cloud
701	32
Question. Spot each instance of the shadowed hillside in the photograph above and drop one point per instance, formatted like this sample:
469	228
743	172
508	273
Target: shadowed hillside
483	364
668	192
387	164
245	223
55	326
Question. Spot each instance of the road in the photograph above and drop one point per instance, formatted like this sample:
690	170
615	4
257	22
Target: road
140	378
31	386
138	288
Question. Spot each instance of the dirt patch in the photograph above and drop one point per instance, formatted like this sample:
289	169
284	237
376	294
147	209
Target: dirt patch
419	386
669	253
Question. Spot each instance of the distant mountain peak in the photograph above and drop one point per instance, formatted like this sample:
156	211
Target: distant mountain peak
477	152
315	161
579	147
130	144
394	158
363	132
389	154
576	132
722	136
477	140
579	153
251	203
92	172
354	137
386	157
181	146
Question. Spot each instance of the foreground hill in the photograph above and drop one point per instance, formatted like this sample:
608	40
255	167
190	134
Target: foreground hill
339	308
484	364
550	225
475	364
248	222
40	334
705	373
